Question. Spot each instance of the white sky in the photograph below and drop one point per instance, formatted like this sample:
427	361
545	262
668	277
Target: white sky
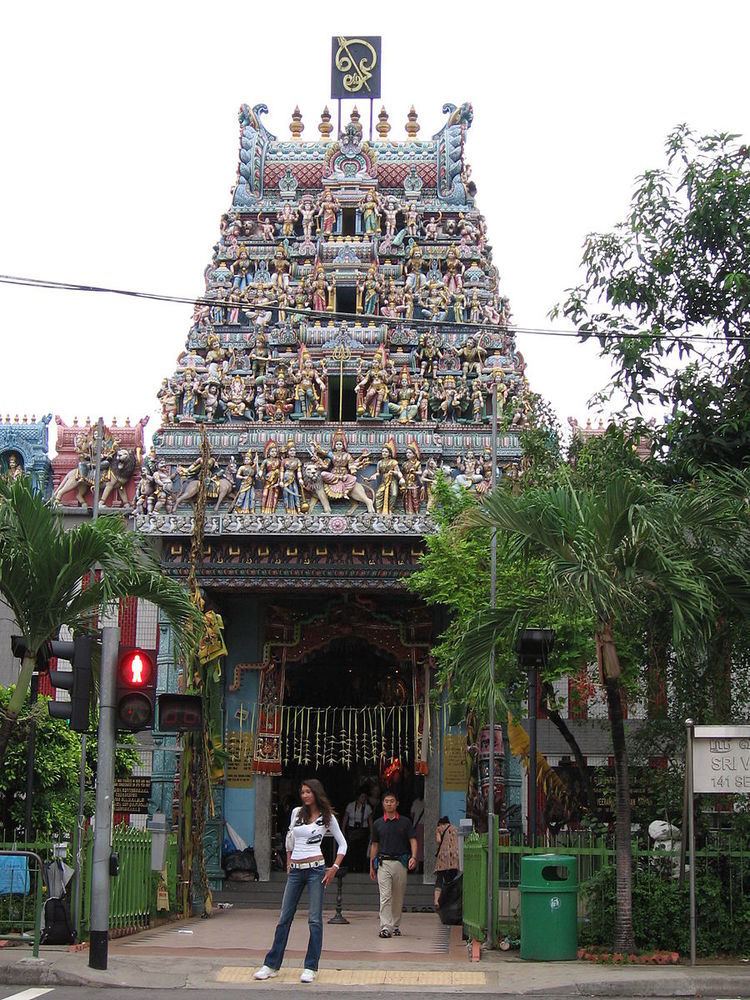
120	134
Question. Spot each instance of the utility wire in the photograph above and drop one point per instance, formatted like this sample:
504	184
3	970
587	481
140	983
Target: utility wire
8	279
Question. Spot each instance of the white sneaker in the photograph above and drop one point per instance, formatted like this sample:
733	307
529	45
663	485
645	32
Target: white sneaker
264	972
308	976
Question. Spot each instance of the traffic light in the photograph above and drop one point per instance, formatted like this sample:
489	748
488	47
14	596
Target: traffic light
77	681
180	713
136	688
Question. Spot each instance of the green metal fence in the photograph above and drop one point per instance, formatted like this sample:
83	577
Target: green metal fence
133	898
720	853
21	894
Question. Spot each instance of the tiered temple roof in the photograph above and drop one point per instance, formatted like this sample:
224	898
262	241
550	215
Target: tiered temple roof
347	345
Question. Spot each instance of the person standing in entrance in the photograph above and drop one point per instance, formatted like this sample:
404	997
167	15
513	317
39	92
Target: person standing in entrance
392	854
306	867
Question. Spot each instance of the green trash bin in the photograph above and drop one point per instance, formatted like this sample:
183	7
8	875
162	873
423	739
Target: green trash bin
549	908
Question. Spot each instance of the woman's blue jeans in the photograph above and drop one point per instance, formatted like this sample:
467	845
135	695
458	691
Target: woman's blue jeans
297	879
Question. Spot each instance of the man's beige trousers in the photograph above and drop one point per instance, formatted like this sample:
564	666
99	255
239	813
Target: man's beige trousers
392	888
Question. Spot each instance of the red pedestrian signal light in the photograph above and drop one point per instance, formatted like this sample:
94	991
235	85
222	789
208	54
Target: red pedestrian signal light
136	688
136	668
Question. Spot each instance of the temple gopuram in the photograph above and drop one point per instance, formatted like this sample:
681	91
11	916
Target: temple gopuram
344	352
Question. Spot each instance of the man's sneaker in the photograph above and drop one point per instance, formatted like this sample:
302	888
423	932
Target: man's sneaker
264	972
308	976
396	932
384	933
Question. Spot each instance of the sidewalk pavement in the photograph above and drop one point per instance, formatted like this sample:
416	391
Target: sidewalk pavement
224	951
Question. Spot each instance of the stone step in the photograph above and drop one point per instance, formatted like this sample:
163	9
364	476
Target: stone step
359	893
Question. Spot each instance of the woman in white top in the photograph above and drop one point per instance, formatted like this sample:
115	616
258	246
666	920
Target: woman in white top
306	867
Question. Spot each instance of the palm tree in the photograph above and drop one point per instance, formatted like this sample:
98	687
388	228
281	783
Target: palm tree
42	567
611	553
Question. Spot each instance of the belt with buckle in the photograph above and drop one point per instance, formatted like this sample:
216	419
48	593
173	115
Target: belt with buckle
307	864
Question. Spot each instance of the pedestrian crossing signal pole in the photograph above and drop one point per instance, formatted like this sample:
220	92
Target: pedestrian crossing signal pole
105	787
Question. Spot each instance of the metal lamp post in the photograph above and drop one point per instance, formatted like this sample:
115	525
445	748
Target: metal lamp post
533	646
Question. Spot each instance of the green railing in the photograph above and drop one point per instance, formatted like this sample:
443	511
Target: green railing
21	894
720	852
133	893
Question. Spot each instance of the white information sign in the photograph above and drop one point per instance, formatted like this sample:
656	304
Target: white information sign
721	759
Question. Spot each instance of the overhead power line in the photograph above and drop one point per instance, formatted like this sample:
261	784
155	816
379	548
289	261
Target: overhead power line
68	286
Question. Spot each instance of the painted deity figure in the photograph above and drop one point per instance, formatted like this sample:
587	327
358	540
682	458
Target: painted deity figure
372	389
390	479
371	213
14	469
434	299
411	219
432	228
339	470
472	356
470	471
241	270
309	389
390	211
405	405
307	211
291	480
234	304
244	501
327	213
414	276
412	472
287	216
260	356
168	399
320	290
217	311
450	398
270	472
267	229
428	478
369	293
454	281
475	308
187	402
486	469
162	498
428	354
281	268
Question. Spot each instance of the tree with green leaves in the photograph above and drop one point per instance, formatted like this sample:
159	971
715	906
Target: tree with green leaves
57	763
608	552
667	295
42	567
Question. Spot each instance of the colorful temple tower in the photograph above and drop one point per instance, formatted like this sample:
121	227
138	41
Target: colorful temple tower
342	356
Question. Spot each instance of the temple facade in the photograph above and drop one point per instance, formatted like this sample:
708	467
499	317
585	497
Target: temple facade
346	350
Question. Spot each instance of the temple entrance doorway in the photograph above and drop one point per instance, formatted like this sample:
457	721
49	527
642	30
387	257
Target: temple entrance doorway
350	723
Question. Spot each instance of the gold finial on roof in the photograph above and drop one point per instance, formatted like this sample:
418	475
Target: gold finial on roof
295	126
383	127
355	115
412	125
325	128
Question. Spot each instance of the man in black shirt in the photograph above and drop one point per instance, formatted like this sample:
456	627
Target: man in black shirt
394	844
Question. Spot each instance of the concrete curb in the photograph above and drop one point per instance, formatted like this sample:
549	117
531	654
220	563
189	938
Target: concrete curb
676	982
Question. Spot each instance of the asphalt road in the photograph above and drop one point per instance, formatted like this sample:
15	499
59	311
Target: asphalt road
261	991
264	992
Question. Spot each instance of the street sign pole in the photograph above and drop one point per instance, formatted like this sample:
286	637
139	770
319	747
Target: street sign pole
105	781
691	833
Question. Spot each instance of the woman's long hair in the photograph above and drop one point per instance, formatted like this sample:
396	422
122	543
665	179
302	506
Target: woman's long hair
321	801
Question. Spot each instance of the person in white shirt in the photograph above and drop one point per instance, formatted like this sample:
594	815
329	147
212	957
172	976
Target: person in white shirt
306	867
356	825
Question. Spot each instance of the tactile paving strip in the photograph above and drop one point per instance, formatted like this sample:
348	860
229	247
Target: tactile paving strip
361	977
